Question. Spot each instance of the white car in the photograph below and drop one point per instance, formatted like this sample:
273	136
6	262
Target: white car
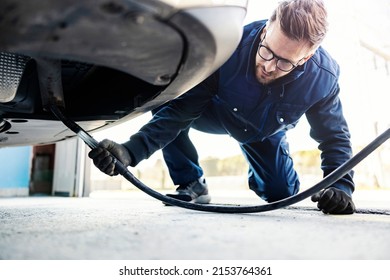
104	61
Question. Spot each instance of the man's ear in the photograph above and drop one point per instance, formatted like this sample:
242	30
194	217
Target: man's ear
263	32
303	60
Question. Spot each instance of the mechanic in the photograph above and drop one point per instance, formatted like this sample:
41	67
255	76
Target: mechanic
278	73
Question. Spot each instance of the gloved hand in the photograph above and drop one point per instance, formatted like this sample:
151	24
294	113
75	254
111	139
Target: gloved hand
102	156
334	201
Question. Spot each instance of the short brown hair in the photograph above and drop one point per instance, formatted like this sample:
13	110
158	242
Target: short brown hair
302	20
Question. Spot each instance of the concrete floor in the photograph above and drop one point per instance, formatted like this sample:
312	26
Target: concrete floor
131	225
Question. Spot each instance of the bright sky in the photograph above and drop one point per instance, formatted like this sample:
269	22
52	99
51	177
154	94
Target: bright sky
364	91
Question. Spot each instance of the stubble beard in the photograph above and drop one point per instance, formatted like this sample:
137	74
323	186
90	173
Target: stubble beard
262	77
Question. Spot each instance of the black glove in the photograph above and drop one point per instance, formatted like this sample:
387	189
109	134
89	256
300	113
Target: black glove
334	201
102	156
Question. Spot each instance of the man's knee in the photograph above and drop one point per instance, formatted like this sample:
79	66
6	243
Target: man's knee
274	190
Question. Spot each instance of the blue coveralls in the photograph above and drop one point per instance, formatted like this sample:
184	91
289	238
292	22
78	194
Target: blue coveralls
231	101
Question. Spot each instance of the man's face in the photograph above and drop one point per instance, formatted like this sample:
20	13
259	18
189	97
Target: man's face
282	47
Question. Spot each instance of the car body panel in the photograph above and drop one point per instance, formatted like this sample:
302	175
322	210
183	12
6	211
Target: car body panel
118	59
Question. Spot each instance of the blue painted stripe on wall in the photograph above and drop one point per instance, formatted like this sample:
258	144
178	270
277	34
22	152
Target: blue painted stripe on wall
15	167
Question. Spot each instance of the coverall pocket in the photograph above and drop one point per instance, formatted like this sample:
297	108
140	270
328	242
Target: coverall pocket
282	116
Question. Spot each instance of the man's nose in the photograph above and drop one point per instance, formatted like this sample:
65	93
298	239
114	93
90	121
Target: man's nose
270	65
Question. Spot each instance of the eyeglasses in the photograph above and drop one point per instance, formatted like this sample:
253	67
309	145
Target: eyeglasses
281	63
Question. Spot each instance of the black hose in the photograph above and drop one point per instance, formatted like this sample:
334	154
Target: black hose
324	183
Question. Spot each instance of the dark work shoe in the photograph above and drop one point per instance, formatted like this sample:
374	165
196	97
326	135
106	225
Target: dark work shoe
195	192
